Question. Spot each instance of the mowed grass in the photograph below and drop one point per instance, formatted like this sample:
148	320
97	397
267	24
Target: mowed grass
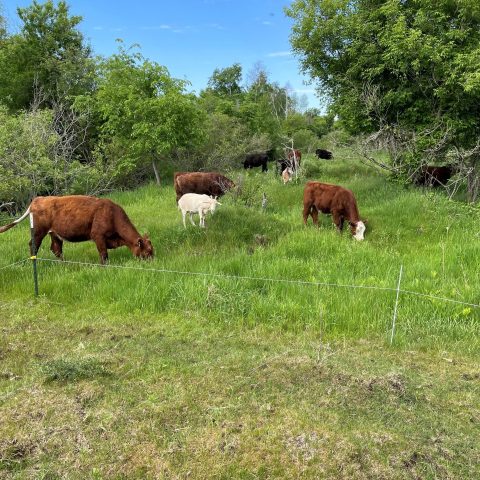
243	373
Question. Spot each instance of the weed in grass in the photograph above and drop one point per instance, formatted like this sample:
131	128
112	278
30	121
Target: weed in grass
73	370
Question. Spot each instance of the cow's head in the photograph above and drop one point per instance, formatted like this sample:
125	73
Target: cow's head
358	230
143	247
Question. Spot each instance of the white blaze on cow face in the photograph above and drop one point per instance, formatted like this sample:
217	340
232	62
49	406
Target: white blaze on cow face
359	231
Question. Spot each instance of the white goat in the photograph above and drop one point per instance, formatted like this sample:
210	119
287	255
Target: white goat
195	203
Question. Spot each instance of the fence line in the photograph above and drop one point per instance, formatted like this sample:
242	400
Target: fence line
13	264
262	279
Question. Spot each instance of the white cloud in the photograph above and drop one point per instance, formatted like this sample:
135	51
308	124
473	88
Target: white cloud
216	26
285	53
266	22
98	28
158	27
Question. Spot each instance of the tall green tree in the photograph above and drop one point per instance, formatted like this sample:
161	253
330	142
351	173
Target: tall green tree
48	58
409	65
142	114
226	81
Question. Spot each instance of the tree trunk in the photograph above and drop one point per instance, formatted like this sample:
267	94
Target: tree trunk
155	170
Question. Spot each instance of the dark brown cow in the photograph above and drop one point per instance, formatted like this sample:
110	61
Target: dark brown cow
433	176
340	202
77	218
208	183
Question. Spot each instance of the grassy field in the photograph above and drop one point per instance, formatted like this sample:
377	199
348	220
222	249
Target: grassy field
124	373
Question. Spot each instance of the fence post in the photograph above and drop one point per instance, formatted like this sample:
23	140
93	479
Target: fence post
34	255
396	304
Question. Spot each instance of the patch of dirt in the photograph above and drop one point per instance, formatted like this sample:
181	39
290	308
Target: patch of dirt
303	446
14	451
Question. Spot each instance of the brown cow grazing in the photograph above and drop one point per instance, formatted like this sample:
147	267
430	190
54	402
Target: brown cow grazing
77	218
340	202
208	183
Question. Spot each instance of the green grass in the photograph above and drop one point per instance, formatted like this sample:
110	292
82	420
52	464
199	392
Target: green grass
123	373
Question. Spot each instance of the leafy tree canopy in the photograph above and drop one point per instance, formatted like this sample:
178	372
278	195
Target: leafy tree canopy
47	56
226	81
393	61
140	110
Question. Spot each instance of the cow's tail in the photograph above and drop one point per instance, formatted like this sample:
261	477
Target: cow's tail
11	225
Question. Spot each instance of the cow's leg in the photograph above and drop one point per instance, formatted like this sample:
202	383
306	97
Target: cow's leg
56	246
202	218
264	167
102	249
337	220
306	213
39	236
191	219
314	214
183	218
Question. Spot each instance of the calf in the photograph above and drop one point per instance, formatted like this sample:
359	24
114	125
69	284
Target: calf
207	183
77	218
194	203
325	154
340	202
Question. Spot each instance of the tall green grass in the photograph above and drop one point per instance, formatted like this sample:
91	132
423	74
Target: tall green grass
436	241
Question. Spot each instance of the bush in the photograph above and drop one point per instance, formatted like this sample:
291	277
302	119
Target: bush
37	157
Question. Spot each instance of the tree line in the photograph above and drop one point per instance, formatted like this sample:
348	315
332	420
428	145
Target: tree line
405	74
401	76
75	122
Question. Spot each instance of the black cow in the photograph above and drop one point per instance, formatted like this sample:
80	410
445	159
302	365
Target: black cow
259	159
325	154
432	176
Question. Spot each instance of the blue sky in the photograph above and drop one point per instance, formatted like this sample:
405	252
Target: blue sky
193	37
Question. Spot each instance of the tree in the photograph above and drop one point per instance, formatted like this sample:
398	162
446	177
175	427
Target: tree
48	54
410	68
226	81
3	25
141	112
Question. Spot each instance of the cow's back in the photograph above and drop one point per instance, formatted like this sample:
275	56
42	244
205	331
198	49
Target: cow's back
72	216
327	198
208	183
